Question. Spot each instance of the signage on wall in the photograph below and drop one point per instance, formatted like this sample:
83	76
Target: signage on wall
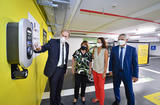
153	47
44	37
142	54
142	51
36	31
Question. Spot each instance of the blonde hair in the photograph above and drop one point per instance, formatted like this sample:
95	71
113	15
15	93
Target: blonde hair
65	31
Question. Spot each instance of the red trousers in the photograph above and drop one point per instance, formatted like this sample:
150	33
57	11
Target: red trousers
99	86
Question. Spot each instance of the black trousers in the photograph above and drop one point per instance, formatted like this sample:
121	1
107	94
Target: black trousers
80	81
56	84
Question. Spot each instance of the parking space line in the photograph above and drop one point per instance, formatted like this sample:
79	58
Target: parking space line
153	71
68	92
69	67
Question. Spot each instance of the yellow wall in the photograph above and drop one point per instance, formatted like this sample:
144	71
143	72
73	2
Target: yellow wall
25	91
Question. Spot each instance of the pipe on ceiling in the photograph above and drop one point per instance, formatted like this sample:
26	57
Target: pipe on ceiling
115	15
47	3
61	1
92	32
73	14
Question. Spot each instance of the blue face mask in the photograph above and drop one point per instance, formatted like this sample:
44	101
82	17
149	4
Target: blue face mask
83	48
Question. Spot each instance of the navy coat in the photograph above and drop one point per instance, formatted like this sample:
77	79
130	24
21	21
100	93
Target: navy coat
130	63
53	47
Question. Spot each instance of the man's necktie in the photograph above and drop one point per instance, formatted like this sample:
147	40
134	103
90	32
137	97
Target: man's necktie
62	55
121	56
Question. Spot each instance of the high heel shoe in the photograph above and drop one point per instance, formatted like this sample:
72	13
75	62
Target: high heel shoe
74	102
83	100
95	100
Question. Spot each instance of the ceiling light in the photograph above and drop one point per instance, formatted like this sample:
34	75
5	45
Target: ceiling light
145	30
114	5
134	37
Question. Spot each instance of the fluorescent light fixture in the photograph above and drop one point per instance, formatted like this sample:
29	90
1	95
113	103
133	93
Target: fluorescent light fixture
158	34
145	30
134	37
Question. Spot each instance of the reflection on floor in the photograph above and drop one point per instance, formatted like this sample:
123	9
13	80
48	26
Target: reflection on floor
148	84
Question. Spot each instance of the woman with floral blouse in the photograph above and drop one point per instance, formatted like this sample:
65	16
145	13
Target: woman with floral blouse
81	67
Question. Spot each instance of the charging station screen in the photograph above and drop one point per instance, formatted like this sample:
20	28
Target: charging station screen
29	43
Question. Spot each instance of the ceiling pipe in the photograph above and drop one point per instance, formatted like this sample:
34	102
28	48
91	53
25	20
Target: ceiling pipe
47	3
72	14
92	32
78	31
61	1
115	15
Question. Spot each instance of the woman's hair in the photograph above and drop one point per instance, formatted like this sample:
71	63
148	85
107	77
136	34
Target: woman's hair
103	42
86	44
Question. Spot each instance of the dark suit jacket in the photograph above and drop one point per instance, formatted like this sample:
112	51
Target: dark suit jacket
53	47
130	63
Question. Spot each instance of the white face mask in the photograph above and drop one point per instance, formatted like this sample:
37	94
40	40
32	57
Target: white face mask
99	44
63	39
121	42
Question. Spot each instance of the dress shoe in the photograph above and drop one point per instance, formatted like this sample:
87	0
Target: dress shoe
115	103
61	104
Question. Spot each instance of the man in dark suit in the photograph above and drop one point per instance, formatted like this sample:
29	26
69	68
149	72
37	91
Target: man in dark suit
56	65
123	65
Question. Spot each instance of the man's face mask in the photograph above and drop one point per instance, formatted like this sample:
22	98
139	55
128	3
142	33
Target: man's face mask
121	42
63	39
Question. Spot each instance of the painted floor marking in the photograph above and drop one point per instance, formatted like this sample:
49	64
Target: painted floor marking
153	71
154	57
154	98
69	67
69	92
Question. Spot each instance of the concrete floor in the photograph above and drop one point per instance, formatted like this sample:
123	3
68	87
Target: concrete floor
141	89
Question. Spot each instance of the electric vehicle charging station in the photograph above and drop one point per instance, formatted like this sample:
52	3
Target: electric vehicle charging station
19	47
